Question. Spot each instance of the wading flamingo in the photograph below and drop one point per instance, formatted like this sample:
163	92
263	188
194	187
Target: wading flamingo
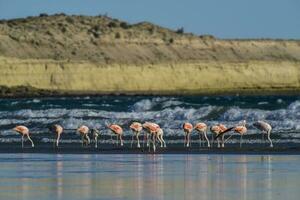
155	133
187	128
160	137
57	129
24	131
147	126
265	128
219	131
136	128
84	133
242	130
118	131
202	130
95	135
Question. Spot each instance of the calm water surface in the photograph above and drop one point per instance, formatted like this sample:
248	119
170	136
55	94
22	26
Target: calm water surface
45	176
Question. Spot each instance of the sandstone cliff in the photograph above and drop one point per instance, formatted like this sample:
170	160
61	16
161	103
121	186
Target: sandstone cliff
80	54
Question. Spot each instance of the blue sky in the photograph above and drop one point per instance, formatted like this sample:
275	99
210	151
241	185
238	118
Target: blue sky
222	18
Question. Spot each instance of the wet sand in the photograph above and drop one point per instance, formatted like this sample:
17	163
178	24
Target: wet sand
175	149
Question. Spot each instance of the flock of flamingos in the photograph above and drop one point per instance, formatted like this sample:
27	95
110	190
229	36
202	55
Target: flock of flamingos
154	132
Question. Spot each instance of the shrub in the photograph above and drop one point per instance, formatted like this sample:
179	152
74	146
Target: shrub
171	40
70	20
112	25
117	35
96	28
96	34
124	25
63	29
43	15
180	30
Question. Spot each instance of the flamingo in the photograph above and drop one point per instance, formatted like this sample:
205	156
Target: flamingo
242	130
118	131
84	131
156	132
266	128
24	131
57	129
95	134
160	137
202	129
219	131
187	128
136	128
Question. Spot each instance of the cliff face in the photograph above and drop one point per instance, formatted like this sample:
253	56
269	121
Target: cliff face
77	54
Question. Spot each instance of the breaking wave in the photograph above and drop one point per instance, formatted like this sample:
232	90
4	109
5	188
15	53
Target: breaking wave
169	112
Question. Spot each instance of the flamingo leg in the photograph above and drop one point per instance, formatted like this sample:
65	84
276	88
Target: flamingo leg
185	134
223	142
154	142
96	142
54	143
121	140
144	139
117	140
188	140
159	139
57	140
88	139
138	140
164	143
205	136
147	140
241	141
32	145
200	142
269	133
212	139
132	138
22	141
82	140
149	146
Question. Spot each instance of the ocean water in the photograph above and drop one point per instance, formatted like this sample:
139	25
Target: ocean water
130	176
282	112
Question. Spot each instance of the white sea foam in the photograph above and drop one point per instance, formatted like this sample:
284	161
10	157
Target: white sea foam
169	113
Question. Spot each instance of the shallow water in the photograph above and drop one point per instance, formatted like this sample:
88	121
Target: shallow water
282	112
54	176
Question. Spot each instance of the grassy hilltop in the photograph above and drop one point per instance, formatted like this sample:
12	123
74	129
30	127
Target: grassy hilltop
82	54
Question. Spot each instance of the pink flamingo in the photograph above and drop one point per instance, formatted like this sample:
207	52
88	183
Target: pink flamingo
265	128
84	131
187	128
242	130
95	134
136	128
155	133
118	131
202	129
24	131
219	131
57	129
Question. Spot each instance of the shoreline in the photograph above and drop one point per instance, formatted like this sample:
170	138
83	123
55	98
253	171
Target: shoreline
105	149
29	92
